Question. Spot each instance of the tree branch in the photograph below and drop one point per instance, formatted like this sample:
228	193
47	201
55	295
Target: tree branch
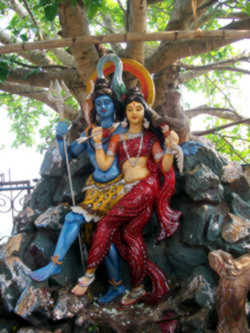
170	52
232	148
216	129
223	113
17	7
121	6
234	15
37	67
196	71
222	92
107	24
32	18
74	23
234	69
43	78
185	37
182	15
37	94
152	2
64	57
236	138
35	56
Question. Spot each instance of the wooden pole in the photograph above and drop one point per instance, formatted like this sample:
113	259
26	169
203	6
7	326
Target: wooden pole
124	38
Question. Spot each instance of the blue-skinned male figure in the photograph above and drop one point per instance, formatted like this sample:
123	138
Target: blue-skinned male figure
98	188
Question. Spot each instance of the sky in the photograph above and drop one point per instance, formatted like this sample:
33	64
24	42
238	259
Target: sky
16	164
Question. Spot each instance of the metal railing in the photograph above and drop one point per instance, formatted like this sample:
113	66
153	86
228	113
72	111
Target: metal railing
12	194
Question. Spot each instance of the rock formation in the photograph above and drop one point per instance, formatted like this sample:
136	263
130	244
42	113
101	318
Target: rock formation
213	196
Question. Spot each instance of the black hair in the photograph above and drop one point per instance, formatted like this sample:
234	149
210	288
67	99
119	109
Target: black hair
135	95
102	87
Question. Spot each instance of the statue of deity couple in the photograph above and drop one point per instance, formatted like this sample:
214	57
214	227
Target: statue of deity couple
129	147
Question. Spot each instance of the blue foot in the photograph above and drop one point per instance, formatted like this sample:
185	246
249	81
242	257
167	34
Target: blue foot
112	293
45	272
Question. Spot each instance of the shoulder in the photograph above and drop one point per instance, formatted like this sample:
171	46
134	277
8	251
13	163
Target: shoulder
120	130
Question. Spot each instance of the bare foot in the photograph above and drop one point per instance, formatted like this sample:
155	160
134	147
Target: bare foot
82	286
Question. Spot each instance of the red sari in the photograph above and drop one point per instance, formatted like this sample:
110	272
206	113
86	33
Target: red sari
124	223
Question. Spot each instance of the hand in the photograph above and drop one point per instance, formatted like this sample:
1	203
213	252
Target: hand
171	139
165	129
61	128
97	134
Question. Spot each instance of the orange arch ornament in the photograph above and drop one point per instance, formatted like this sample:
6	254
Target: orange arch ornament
135	68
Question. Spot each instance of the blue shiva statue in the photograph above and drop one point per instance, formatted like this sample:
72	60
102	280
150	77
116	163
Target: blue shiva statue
102	189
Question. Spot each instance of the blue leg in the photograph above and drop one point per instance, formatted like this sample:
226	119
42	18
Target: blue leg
68	235
112	262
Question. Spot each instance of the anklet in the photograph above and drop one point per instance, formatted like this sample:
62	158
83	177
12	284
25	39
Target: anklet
114	283
56	260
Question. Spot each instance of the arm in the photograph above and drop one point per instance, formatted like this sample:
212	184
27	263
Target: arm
103	160
171	139
167	162
166	158
74	149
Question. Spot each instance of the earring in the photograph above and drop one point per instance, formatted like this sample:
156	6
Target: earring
124	123
146	123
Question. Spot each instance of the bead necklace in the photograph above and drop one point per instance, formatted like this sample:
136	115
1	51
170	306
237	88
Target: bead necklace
132	136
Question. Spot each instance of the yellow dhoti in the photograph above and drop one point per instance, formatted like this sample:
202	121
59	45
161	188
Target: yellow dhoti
99	198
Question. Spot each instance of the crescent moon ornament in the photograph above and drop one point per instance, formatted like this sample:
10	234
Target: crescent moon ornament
135	68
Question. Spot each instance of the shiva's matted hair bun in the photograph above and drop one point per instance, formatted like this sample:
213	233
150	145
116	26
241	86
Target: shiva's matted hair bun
102	87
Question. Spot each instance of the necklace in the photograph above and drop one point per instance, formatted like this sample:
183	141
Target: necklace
132	136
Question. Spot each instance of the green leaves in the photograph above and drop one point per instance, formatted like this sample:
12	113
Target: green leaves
247	8
93	6
50	8
159	14
31	121
4	70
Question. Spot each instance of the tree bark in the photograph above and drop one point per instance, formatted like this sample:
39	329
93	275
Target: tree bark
216	112
43	78
74	23
216	129
170	52
136	23
168	102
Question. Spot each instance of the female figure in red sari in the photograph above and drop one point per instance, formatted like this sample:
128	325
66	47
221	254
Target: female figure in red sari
140	156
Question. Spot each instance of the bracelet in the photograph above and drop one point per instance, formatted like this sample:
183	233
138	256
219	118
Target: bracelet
158	156
98	145
110	153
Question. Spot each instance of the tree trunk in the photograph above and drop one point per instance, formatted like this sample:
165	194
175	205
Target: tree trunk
168	101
